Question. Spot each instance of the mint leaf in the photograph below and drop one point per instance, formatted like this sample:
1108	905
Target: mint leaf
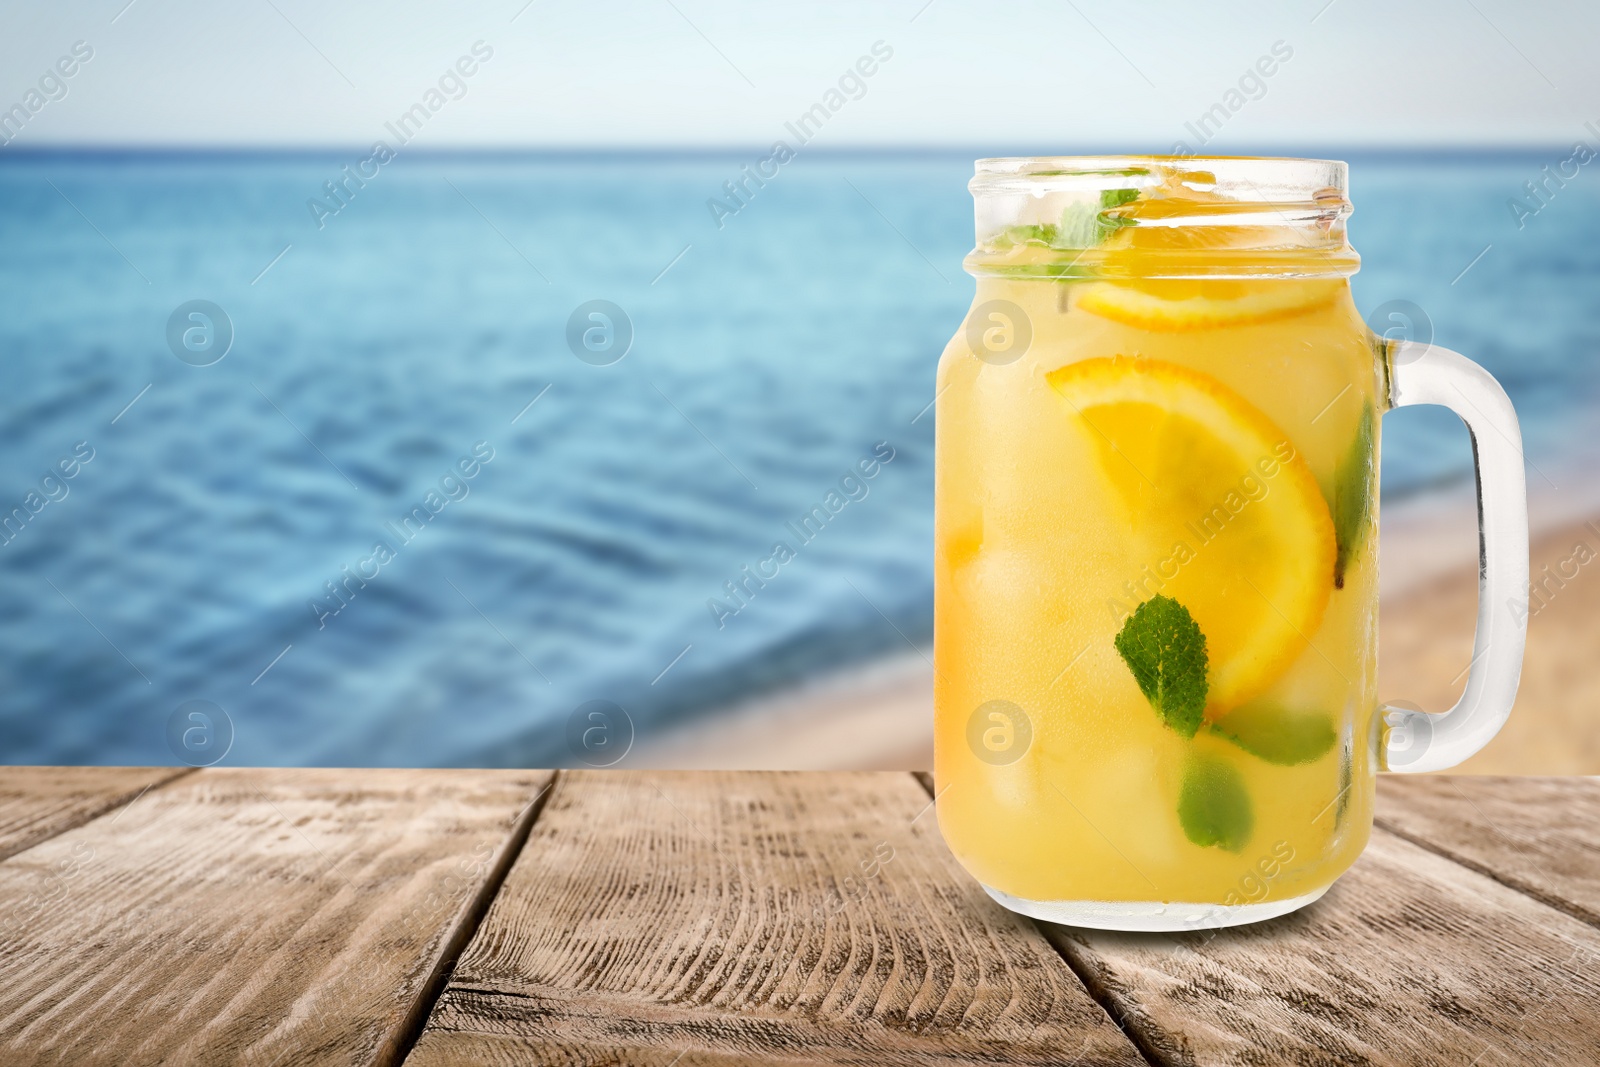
1213	805
1164	648
1085	225
1038	234
1276	734
1352	495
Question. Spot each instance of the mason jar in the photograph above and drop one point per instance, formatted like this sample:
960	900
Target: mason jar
1156	566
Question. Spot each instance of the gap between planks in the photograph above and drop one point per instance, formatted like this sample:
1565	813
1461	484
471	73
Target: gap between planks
1569	908
397	1047
404	860
1096	990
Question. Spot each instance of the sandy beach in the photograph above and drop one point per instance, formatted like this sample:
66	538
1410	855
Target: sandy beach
1425	640
880	716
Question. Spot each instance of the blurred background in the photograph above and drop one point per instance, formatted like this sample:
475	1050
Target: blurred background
425	373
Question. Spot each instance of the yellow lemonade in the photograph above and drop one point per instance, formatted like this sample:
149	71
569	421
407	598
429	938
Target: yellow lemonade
1155	551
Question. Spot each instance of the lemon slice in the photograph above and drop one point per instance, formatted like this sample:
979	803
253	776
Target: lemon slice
1224	515
1200	304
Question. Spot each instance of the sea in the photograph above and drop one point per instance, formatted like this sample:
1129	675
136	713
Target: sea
425	465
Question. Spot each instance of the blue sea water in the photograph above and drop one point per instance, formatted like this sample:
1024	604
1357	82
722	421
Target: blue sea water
371	355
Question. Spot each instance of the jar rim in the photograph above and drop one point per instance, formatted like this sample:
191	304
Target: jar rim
1051	215
1250	178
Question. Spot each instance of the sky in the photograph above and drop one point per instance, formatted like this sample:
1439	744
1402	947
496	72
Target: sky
1076	75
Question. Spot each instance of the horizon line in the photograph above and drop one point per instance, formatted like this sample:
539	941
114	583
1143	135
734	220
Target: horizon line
1434	152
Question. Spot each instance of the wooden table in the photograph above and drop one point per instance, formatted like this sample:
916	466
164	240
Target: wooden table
584	918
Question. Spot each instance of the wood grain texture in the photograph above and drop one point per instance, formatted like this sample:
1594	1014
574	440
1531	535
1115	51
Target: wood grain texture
1409	961
36	803
1538	835
726	918
247	916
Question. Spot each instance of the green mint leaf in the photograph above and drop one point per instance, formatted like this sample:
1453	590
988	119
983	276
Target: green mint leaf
1164	648
1079	226
1277	735
1213	805
1352	495
1039	234
1085	225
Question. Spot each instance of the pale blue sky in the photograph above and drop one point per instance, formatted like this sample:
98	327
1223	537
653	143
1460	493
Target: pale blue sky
711	72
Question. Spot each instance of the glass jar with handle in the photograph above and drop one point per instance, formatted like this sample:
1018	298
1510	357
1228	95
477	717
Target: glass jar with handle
1156	556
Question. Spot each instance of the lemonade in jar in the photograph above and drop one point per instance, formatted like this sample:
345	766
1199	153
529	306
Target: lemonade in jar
1155	549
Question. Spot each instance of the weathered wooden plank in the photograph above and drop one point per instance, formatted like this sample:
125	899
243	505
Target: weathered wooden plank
1539	835
249	916
727	918
1411	960
36	803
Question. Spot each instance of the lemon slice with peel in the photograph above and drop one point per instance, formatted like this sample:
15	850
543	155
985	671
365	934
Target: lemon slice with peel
1224	515
1170	304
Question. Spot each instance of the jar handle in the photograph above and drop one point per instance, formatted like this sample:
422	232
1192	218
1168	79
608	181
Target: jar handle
1427	374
